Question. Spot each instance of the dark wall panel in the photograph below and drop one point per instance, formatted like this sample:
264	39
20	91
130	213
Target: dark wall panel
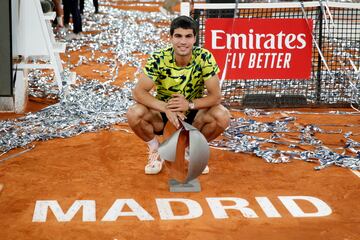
5	49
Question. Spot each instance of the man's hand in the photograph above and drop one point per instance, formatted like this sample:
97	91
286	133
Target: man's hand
174	117
178	103
176	107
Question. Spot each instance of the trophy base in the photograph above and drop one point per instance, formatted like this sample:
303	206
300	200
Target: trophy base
191	186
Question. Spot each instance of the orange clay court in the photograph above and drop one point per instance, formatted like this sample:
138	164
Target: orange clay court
93	186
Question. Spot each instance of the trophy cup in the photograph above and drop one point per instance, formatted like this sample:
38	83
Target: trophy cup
184	168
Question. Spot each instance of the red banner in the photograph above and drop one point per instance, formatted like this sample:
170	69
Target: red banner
260	48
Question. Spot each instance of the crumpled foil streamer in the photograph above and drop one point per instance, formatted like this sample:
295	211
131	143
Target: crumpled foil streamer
41	85
236	140
251	112
127	35
123	33
88	107
346	52
279	125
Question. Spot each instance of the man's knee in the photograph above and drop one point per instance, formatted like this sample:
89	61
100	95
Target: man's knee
221	116
135	112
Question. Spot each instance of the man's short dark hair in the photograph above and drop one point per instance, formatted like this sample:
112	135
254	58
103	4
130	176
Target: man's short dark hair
184	22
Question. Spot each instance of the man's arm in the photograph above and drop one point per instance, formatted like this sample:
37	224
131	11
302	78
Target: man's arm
213	96
141	94
180	104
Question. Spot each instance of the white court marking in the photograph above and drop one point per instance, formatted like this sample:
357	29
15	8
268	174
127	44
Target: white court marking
356	172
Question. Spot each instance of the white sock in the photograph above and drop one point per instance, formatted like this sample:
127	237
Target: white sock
153	144
60	21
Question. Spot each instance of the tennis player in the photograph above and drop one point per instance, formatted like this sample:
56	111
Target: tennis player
179	74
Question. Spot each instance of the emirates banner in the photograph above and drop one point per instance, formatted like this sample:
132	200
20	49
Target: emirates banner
260	48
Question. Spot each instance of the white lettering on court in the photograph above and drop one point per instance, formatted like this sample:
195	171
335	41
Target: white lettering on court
41	210
115	211
289	202
218	209
166	213
218	206
268	208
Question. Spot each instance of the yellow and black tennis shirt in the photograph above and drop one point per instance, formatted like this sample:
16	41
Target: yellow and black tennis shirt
188	81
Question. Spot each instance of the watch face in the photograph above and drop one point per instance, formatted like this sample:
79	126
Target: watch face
191	105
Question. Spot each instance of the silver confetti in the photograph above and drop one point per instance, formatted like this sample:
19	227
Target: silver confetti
237	139
88	107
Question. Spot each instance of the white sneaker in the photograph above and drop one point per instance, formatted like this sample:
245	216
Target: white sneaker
206	170
154	164
73	36
187	158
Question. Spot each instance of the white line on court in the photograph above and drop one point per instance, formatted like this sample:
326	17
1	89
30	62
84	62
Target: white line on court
357	173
